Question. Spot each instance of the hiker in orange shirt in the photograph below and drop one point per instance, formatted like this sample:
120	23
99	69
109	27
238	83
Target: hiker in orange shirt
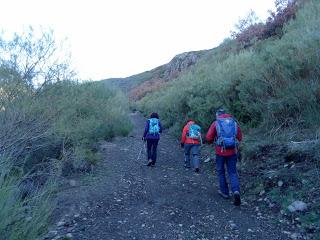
190	142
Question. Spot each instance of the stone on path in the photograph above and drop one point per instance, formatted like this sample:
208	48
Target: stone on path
297	206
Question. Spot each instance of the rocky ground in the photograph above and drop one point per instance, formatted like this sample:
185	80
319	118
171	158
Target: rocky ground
125	199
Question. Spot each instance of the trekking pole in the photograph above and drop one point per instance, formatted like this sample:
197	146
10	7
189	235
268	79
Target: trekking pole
201	142
143	147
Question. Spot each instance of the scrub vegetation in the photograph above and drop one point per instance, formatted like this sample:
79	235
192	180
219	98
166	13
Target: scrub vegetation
50	126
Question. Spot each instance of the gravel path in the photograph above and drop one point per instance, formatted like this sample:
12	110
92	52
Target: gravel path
127	200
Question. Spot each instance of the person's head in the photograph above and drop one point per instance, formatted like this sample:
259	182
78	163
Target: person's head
219	112
190	120
154	115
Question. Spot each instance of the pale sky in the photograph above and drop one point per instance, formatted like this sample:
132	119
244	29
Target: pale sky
119	38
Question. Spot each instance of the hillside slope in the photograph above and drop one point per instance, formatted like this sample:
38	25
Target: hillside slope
137	86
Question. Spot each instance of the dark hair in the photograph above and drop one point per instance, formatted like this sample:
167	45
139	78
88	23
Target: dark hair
220	111
154	115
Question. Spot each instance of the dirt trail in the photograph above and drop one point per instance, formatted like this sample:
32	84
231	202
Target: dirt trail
127	200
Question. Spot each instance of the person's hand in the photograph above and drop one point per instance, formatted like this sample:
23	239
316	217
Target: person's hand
182	145
239	156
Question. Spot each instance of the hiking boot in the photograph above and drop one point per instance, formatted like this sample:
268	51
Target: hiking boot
197	170
237	200
225	196
187	165
149	163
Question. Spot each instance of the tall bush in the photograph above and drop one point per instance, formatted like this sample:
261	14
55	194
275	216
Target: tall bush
49	125
275	83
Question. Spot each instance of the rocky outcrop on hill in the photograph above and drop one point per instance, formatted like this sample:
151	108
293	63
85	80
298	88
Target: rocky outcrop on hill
179	63
165	73
137	86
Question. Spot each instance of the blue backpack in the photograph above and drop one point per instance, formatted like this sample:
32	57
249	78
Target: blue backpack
227	129
154	127
194	131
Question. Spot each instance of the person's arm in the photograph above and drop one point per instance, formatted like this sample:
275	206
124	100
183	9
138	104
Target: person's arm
239	138
211	134
239	134
184	134
146	129
160	126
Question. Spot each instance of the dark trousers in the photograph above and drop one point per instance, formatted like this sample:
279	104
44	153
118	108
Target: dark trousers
231	163
152	145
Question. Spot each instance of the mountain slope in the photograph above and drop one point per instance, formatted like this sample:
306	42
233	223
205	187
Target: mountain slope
137	86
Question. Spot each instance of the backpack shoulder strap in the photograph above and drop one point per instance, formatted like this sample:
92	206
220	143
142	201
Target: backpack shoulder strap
218	128
235	127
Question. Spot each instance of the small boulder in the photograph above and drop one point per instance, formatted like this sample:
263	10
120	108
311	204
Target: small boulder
297	206
61	223
72	183
69	236
280	183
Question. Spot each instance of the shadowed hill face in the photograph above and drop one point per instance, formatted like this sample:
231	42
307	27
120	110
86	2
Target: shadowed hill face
137	86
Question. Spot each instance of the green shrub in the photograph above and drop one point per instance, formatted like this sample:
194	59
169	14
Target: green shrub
47	121
88	112
273	84
62	121
22	217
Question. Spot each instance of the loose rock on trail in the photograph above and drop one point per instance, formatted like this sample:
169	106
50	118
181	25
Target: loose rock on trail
125	199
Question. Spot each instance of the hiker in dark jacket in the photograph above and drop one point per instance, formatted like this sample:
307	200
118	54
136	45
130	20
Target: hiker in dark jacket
151	134
191	145
226	133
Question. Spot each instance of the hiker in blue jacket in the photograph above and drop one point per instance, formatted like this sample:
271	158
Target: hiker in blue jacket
151	134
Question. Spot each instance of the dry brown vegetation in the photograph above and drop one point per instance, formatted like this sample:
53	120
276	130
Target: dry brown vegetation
145	88
249	32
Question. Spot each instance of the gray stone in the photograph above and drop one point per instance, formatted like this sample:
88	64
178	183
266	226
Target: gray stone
61	223
262	192
72	183
233	226
280	183
294	236
69	235
52	233
297	206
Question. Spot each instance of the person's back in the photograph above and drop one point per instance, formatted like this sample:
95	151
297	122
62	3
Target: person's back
151	134
190	142
226	134
190	138
213	135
